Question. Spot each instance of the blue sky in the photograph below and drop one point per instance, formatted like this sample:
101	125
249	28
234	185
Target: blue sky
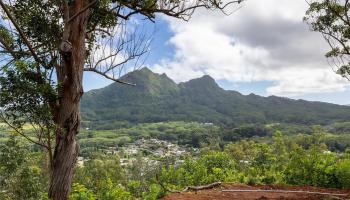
263	48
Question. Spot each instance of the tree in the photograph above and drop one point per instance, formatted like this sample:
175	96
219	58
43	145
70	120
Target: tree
20	178
331	18
46	46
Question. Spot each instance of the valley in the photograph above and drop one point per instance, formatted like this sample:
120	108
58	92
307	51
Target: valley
140	142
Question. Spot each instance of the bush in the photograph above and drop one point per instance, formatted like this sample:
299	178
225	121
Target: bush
80	192
343	173
110	191
155	192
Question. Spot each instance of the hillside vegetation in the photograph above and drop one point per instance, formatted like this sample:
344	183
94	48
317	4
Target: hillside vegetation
156	98
103	175
142	142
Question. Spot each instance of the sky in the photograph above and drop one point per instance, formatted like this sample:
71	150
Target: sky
263	48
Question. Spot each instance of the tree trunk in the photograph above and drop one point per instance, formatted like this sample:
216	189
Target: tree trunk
67	115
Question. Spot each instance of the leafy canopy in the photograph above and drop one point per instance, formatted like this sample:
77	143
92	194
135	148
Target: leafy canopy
331	18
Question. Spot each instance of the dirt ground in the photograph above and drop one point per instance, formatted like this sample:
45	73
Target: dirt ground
218	193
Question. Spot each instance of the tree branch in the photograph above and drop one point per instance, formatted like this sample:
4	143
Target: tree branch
21	33
7	48
108	77
177	10
22	134
82	10
100	30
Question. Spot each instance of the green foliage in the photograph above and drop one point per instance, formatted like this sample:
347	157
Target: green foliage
209	168
135	188
40	21
330	17
96	171
343	173
109	191
341	127
80	192
12	156
22	98
20	175
282	160
192	134
312	167
155	192
5	34
211	137
27	183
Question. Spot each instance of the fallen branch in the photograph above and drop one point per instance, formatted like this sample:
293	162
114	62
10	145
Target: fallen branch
194	188
287	191
203	187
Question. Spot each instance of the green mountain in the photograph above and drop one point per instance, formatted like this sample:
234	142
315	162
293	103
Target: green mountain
157	98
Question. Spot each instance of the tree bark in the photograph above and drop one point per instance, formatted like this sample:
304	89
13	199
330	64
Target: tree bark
67	117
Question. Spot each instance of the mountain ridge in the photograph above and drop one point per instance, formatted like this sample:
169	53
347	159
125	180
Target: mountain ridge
157	98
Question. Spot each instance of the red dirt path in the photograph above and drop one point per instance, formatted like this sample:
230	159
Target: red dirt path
216	193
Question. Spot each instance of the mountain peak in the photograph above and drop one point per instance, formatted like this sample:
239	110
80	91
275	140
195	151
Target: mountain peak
203	79
149	82
157	98
205	82
143	72
146	70
207	77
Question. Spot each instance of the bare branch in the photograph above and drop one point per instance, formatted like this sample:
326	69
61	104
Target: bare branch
177	9
21	133
82	10
101	30
122	48
108	77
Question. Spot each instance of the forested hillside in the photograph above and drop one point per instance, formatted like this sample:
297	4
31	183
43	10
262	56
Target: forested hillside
157	98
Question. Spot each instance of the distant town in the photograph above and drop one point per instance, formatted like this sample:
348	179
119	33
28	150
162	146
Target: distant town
151	151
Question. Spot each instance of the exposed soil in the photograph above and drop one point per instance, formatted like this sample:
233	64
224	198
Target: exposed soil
218	193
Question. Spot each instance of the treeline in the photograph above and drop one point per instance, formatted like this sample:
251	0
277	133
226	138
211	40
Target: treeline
199	135
281	161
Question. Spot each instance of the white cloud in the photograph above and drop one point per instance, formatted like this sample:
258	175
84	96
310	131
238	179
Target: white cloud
299	81
263	41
